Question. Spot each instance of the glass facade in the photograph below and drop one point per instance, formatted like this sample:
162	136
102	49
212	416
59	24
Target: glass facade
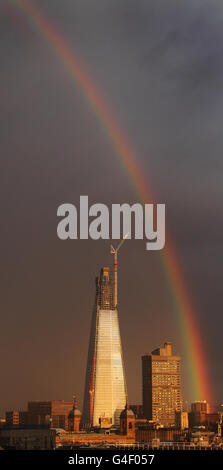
109	380
105	386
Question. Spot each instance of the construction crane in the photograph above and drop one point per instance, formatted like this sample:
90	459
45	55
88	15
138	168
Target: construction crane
114	251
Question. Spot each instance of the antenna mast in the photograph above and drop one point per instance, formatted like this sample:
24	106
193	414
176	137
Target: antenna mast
114	251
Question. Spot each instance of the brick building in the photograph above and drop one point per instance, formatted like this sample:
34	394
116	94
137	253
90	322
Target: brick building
42	413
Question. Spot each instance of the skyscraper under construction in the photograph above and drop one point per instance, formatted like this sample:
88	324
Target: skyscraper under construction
105	387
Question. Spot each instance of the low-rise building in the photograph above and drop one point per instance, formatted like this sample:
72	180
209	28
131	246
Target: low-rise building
28	438
12	418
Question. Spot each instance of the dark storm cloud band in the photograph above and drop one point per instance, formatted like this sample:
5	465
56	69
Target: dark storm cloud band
185	315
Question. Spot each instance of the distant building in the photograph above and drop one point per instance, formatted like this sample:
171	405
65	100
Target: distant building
28	438
127	422
23	418
181	419
202	406
217	408
137	410
161	379
105	423
147	434
126	436
211	421
16	418
198	413
54	413
12	418
74	418
196	418
2	422
41	413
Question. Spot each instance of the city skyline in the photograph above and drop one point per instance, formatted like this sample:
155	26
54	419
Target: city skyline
158	68
102	322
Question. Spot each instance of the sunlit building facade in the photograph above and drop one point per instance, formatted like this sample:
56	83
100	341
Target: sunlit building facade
200	406
161	385
105	385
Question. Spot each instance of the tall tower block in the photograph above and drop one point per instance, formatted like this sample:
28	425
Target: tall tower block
161	378
105	387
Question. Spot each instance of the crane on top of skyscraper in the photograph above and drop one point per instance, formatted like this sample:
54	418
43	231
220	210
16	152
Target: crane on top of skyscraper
114	251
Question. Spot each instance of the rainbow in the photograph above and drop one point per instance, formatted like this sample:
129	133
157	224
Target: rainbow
186	317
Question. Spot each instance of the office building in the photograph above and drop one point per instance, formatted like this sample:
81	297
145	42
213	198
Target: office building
12	418
161	379
200	406
52	413
181	419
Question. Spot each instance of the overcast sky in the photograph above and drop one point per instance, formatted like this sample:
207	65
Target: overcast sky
158	64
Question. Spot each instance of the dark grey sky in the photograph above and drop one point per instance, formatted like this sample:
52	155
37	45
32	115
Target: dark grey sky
159	65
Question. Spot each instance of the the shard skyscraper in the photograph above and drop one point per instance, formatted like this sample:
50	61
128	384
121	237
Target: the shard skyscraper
105	387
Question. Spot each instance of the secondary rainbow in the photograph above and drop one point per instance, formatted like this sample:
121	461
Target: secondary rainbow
194	350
